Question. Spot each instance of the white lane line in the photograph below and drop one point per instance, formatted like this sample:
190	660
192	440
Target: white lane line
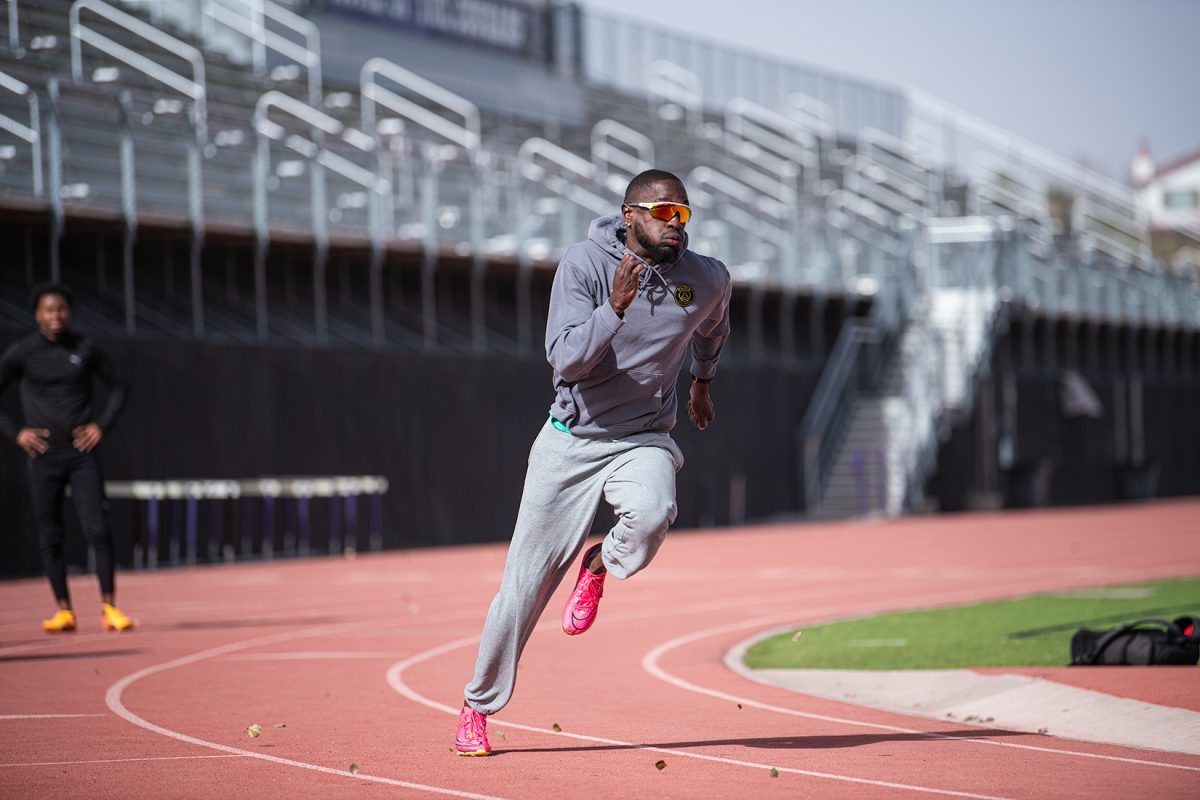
395	678
651	665
312	655
114	760
48	716
113	698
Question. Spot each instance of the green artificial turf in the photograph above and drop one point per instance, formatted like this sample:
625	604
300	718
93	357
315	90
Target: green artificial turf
1026	632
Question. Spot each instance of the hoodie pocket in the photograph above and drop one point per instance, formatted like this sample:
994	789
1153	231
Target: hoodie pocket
618	397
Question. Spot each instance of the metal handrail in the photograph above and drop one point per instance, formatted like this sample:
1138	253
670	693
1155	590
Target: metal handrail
255	28
865	220
605	156
671	83
14	28
467	135
575	165
919	178
830	405
1113	233
774	225
1106	216
828	396
1014	195
747	123
314	150
813	116
869	180
1027	152
31	133
193	88
575	185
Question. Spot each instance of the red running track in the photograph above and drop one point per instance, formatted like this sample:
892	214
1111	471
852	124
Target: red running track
362	661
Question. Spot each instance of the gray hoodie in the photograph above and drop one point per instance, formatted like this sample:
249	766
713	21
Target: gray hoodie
614	377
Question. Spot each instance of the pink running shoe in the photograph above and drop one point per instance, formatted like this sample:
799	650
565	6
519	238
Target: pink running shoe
584	601
472	733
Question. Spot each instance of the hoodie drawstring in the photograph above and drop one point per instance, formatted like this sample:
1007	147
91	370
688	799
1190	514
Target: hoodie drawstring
654	298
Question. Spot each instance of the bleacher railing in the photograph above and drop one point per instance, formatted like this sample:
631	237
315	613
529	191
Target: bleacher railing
619	152
761	194
319	158
14	28
1106	214
194	88
31	134
575	182
251	19
439	116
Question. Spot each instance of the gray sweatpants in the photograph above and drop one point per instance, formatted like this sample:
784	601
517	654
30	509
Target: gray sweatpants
566	478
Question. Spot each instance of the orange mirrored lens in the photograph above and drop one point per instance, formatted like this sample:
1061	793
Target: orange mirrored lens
665	211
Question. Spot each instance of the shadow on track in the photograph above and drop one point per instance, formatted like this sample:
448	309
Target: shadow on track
780	742
222	624
68	656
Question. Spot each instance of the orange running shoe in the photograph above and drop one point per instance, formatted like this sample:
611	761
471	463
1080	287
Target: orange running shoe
114	620
63	621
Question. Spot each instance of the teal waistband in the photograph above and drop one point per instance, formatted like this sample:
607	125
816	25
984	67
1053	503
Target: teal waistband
554	421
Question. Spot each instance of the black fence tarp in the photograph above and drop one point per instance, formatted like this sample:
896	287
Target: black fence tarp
451	435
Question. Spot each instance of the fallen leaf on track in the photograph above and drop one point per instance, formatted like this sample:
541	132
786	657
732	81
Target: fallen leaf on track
354	769
660	765
254	731
774	772
556	728
280	725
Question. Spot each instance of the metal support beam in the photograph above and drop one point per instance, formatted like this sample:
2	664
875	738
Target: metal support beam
55	189
128	209
429	247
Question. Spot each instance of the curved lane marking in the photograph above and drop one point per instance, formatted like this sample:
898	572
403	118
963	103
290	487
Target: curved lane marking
395	677
113	698
650	663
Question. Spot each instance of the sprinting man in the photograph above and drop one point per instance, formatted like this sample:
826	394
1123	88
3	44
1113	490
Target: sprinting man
56	368
624	308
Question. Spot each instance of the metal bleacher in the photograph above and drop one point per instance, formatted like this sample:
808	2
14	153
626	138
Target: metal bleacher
273	200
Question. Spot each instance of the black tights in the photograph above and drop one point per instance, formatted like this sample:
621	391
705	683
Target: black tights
49	474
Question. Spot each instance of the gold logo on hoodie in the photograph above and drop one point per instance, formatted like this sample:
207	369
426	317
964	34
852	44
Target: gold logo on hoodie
684	295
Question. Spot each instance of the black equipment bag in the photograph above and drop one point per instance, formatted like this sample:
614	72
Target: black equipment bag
1141	643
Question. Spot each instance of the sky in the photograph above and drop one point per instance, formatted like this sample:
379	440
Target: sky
1087	79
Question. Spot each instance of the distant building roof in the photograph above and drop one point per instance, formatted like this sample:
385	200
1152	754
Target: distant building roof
1176	163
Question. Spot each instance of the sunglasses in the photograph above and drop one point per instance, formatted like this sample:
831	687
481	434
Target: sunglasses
665	211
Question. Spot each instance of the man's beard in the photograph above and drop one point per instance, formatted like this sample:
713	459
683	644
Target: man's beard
659	253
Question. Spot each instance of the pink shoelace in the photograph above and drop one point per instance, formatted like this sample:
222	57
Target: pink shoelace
591	589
